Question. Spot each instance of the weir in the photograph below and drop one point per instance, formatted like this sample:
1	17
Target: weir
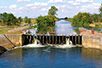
52	39
9	41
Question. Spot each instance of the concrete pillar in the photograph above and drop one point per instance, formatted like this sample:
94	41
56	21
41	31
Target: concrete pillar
59	39
69	39
49	39
43	39
40	38
46	39
75	39
78	39
72	39
30	39
56	39
33	38
53	39
62	39
21	40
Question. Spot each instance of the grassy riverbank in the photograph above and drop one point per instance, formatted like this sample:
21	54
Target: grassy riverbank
86	20
5	29
14	28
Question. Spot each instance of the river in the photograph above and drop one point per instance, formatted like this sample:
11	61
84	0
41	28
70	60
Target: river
52	57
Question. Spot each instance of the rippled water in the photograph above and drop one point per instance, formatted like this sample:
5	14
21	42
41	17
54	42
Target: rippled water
51	58
63	56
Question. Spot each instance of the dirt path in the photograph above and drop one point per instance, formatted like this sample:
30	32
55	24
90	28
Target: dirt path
18	29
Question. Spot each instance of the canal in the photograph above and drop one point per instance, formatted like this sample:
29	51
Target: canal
29	56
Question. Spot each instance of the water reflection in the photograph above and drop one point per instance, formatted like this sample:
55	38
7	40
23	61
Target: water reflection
64	27
92	56
56	58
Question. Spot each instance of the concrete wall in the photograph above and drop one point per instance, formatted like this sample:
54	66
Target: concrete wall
16	39
9	41
92	41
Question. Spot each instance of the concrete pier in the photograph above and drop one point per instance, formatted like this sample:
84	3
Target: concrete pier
92	41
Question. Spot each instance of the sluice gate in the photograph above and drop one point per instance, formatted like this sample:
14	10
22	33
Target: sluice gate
52	39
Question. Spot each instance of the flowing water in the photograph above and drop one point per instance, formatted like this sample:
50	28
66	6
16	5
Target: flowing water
50	56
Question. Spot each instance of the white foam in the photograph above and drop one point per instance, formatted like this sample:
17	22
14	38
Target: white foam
64	46
37	44
34	46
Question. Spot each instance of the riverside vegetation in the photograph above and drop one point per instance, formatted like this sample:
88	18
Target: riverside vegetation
43	22
85	19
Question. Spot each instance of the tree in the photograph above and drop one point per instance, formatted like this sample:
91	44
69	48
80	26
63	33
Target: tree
100	9
42	24
82	19
29	21
52	10
26	19
19	19
44	21
8	19
51	19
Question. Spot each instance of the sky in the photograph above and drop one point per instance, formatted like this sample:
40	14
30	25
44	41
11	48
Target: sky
35	8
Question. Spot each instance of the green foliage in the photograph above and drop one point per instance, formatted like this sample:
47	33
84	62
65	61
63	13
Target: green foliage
100	9
27	20
19	19
69	19
42	24
52	10
99	25
96	17
82	19
8	19
44	21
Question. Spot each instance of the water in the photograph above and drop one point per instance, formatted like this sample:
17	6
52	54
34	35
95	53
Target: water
64	27
52	56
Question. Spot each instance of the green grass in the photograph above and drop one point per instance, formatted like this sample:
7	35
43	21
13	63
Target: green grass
5	30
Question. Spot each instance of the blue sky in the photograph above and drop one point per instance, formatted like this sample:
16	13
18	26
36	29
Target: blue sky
34	8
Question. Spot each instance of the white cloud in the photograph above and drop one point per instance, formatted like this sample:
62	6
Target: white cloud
13	6
56	1
70	2
3	7
85	1
37	4
64	9
92	8
23	1
64	2
75	4
44	9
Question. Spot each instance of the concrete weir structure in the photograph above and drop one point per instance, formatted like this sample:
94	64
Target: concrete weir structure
51	39
8	41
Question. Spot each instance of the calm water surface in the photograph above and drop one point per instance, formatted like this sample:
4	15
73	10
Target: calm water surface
49	57
64	27
52	58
